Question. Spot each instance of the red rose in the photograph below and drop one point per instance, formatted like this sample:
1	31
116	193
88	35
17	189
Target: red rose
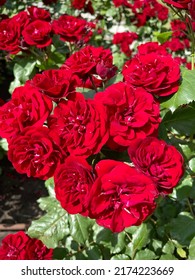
27	107
38	13
118	3
36	250
132	113
91	61
10	36
151	47
125	39
157	74
22	19
13	246
2	2
20	246
81	126
121	196
55	83
37	33
181	4
73	29
78	4
34	153
162	162
73	180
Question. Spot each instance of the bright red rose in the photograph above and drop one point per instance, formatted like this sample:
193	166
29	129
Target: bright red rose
121	196
73	180
27	107
10	36
13	246
38	13
91	61
22	19
181	4
118	3
36	250
73	29
174	44
55	83
37	33
81	126
157	74
132	113
20	246
158	160
34	153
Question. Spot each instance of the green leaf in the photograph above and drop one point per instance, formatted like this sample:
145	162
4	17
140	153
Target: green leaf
168	257
168	247
49	184
181	252
185	93
185	189
139	239
50	228
23	69
120	244
192	164
80	228
182	228
182	120
163	37
94	253
145	255
192	250
120	257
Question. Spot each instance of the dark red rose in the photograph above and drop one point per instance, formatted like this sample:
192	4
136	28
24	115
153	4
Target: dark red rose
181	4
73	180
55	83
38	13
37	33
10	36
34	153
157	74
19	246
121	196
81	126
48	2
162	162
27	107
91	61
2	2
13	246
174	44
78	4
73	29
118	3
132	113
36	250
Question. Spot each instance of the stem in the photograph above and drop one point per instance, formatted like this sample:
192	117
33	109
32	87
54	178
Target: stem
190	207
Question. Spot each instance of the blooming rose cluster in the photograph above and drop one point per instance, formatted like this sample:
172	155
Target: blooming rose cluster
142	10
20	246
55	131
34	27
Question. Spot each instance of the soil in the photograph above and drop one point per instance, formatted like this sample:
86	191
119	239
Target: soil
18	199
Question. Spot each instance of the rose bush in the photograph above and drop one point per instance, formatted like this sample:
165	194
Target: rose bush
101	108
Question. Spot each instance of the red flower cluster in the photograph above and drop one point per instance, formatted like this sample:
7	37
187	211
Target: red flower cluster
34	27
181	4
124	40
20	246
